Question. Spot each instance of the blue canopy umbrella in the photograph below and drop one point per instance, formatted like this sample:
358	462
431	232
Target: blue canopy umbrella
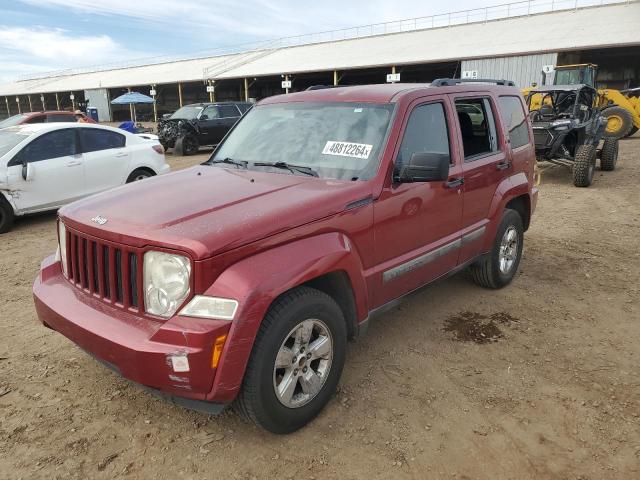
131	98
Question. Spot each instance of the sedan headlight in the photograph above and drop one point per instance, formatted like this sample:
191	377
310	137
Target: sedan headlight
166	282
62	247
211	307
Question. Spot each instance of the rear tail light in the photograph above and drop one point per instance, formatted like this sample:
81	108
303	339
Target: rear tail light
159	149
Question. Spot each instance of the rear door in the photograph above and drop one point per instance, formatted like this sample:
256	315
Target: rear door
57	166
486	163
417	225
106	158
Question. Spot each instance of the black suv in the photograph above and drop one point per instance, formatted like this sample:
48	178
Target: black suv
199	124
568	129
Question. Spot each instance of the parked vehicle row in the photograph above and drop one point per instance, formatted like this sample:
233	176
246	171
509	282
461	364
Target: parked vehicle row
45	166
239	281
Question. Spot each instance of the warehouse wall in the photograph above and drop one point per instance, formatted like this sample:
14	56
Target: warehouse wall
523	69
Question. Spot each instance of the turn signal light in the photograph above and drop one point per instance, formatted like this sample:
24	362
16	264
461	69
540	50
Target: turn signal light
217	350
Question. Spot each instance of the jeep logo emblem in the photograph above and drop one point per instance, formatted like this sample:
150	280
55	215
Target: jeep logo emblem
100	220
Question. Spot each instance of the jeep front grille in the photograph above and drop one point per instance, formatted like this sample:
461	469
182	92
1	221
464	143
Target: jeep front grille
107	271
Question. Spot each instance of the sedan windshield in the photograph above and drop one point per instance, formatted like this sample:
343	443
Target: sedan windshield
12	121
331	140
10	138
187	113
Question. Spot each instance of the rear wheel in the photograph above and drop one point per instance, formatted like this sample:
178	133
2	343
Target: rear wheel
296	361
609	155
619	122
500	265
187	145
139	174
584	165
6	215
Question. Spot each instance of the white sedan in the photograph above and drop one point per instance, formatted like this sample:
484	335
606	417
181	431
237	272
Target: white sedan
44	166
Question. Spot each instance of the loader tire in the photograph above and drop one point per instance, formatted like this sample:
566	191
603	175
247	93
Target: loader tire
619	122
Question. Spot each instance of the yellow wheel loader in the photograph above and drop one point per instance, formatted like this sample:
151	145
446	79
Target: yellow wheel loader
620	107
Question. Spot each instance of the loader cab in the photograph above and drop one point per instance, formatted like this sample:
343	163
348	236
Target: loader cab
582	74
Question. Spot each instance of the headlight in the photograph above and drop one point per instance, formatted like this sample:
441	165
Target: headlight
166	282
62	246
211	307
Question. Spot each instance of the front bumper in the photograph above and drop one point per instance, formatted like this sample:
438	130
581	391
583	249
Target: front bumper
140	349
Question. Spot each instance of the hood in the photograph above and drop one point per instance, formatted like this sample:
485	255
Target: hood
208	210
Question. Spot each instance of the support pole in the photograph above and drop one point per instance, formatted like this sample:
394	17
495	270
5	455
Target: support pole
73	102
213	94
155	106
57	101
132	112
44	105
180	93
18	102
30	105
393	69
6	100
210	93
286	79
335	77
246	90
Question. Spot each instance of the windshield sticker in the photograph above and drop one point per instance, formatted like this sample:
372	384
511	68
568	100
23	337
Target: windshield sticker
357	110
347	149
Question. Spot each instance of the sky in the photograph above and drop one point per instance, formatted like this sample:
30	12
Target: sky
49	35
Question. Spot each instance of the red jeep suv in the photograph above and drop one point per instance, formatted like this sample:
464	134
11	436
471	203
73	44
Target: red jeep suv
240	280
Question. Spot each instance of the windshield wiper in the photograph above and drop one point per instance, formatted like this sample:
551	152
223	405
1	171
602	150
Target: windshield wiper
290	167
230	161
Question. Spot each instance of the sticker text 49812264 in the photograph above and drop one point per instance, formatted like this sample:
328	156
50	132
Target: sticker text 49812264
347	149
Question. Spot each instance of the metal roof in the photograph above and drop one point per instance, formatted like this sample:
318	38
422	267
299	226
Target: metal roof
542	32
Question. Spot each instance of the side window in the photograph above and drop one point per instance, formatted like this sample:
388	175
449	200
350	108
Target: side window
513	115
229	111
426	131
212	112
243	107
37	119
61	118
61	143
477	127
94	140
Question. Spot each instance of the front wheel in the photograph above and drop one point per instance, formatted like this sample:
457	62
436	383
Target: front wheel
296	361
500	265
584	165
6	215
186	145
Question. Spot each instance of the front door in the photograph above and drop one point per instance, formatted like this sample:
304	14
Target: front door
57	172
417	225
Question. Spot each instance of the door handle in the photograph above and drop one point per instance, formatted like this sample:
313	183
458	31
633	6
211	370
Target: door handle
74	163
456	182
121	154
503	165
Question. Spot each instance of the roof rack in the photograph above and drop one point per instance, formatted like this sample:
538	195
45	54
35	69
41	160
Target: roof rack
452	82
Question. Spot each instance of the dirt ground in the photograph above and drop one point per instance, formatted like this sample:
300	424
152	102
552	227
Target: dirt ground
538	380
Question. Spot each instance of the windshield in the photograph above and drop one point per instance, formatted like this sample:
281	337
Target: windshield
574	77
9	139
187	113
12	121
335	140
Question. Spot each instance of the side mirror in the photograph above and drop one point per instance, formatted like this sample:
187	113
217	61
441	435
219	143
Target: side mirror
166	116
425	167
28	171
204	117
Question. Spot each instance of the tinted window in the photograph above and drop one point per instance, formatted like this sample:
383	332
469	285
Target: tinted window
61	118
477	127
426	132
513	115
94	140
229	111
36	119
212	112
60	143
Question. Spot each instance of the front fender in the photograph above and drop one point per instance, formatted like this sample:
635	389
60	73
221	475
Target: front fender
258	280
510	188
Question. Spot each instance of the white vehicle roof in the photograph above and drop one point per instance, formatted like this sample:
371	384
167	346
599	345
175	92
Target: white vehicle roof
49	127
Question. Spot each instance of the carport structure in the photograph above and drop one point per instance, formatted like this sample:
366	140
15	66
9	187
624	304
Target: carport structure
515	40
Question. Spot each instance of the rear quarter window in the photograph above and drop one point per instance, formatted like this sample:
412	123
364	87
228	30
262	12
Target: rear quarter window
515	120
93	140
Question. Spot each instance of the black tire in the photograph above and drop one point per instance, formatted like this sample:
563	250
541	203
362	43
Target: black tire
624	122
632	132
584	165
609	154
186	145
487	272
140	174
257	400
6	215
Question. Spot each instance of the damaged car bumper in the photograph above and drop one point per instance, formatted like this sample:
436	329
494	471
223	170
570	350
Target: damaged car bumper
173	358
